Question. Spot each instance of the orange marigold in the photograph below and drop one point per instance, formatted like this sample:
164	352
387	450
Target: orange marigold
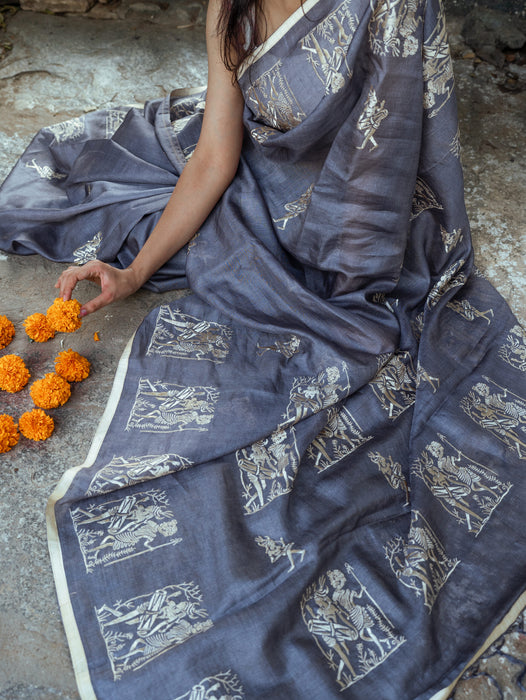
9	434
36	425
38	328
7	331
63	316
14	374
51	391
72	366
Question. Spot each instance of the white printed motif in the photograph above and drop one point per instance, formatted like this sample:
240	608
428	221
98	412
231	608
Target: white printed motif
160	407
439	79
354	637
294	208
188	338
392	471
468	311
119	529
138	630
288	348
420	563
69	130
395	384
450	279
310	395
450	239
422	375
327	46
423	198
126	471
223	686
114	118
417	325
467	490
267	469
45	172
186	108
369	121
272	100
88	251
456	147
501	412
262	133
513	351
276	549
393	27
340	437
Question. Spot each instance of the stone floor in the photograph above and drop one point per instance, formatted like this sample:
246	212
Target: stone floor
60	67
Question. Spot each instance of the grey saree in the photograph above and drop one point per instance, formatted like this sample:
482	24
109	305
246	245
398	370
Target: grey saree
307	480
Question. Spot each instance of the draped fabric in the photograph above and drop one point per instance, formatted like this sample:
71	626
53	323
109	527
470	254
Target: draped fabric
309	475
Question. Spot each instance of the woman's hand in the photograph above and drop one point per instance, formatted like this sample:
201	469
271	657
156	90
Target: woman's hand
114	283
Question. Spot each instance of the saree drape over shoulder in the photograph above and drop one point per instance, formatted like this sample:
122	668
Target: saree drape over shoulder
310	473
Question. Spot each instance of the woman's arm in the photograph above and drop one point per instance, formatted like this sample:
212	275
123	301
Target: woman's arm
200	186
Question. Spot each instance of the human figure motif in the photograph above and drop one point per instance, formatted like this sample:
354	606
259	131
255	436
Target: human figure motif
422	375
392	471
372	116
469	491
276	549
438	68
124	471
395	384
154	623
46	171
288	348
313	394
327	624
468	311
504	417
420	563
271	462
295	208
513	351
182	408
340	436
358	614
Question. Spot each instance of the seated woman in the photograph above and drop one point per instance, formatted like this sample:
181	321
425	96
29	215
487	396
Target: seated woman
310	469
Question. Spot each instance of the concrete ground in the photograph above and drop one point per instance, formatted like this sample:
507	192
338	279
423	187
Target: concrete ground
60	67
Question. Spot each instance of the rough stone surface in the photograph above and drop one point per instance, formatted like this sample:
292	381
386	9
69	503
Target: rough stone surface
491	34
461	7
57	5
60	67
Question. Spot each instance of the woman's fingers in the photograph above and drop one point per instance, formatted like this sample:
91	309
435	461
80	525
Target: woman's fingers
114	283
67	281
103	299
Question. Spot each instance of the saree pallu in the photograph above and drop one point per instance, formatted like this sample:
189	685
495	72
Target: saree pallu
308	481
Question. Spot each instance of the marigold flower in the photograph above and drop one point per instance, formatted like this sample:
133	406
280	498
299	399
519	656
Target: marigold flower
38	328
7	331
96	337
36	425
51	391
72	366
9	434
63	316
14	374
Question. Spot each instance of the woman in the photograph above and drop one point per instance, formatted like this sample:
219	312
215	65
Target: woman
296	490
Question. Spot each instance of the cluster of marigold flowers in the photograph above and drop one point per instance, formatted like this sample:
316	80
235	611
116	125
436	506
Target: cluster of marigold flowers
54	389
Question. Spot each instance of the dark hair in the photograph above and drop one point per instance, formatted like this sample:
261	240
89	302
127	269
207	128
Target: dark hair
238	27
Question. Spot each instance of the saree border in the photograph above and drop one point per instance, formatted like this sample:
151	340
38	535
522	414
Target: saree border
278	34
76	647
